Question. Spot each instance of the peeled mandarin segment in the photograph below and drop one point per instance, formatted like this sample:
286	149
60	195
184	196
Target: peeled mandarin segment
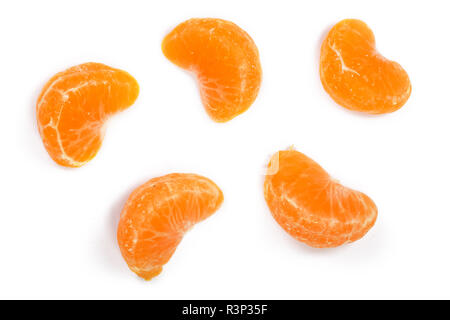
75	104
225	61
158	214
312	207
356	75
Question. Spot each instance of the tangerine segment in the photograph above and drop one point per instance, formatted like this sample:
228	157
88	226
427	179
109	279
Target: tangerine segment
312	207
158	214
75	104
356	75
225	61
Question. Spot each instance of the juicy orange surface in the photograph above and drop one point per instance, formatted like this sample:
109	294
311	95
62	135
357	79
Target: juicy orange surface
225	61
158	214
356	75
74	106
311	206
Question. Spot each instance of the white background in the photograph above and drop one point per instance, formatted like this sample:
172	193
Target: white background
57	227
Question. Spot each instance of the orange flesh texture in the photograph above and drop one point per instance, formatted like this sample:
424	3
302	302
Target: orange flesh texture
75	104
356	76
312	207
225	61
158	214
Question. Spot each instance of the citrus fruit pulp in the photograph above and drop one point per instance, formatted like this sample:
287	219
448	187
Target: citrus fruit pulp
356	75
75	104
225	61
311	206
158	214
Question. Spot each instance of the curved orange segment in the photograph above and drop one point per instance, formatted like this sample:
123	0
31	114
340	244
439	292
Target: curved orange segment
311	206
158	214
225	61
356	75
75	104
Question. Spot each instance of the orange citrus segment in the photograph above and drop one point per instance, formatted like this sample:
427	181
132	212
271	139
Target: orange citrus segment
311	206
356	75
75	104
158	214
225	61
